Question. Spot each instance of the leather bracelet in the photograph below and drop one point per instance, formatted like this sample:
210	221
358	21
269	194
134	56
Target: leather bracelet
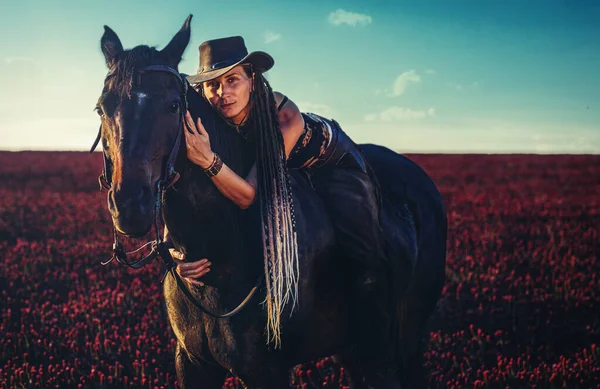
215	166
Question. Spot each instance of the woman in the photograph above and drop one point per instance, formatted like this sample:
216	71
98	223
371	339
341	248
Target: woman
231	80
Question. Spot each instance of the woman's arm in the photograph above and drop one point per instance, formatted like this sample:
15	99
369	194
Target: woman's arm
188	270
227	181
241	191
291	123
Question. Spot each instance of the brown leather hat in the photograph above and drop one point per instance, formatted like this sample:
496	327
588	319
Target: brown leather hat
218	56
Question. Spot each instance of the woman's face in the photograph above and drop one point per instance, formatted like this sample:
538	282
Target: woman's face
229	94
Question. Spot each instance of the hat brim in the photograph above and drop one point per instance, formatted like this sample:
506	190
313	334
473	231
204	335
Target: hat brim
261	61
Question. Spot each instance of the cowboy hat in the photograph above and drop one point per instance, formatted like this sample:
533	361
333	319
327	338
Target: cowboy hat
218	56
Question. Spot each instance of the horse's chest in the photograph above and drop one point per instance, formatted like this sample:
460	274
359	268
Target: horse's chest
233	343
237	342
208	339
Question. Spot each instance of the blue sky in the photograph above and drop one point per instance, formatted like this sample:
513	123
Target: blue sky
425	76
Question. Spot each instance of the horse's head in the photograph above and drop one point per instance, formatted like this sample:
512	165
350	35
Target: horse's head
141	109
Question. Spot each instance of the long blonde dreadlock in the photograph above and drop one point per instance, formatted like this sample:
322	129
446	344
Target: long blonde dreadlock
277	210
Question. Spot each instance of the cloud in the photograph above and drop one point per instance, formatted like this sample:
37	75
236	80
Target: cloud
9	60
320	109
430	71
456	86
341	16
393	114
543	148
271	36
403	80
462	87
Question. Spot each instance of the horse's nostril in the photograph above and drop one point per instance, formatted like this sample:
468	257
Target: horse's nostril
130	200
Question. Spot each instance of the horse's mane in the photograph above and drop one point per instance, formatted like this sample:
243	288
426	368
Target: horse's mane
120	79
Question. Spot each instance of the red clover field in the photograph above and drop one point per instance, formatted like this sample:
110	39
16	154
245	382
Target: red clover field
520	308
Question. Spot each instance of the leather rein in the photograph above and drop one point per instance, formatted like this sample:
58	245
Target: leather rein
159	247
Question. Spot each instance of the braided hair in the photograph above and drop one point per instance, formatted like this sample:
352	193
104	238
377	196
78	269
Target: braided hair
274	193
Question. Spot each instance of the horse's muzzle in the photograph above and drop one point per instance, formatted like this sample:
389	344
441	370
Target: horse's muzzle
131	208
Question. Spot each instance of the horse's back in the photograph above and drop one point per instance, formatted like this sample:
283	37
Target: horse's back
399	176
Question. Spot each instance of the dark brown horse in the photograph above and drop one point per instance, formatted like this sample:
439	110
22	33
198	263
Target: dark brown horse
141	109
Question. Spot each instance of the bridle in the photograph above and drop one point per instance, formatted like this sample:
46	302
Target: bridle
159	247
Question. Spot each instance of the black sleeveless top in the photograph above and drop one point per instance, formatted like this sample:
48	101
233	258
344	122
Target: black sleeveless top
313	143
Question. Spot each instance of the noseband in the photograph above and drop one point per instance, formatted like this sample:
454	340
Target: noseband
159	247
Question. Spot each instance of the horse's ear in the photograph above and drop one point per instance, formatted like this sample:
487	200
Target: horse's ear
174	50
111	46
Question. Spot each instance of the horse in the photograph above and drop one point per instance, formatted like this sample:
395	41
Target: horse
147	173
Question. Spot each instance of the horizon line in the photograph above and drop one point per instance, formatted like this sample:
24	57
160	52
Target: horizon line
412	152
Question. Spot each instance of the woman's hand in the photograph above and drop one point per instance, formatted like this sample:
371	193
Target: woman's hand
190	271
197	143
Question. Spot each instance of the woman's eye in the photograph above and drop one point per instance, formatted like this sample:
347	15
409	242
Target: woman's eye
99	111
231	80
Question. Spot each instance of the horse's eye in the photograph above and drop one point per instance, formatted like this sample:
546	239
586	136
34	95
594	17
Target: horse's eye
175	107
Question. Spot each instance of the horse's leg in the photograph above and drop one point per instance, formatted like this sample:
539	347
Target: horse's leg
352	368
412	323
197	375
279	380
271	377
414	313
415	308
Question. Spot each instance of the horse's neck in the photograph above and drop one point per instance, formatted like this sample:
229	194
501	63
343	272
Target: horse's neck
208	225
